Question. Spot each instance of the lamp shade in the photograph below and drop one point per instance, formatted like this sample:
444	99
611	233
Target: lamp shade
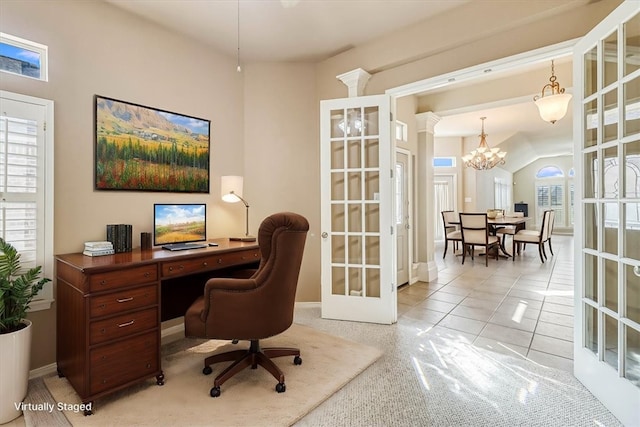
553	107
231	188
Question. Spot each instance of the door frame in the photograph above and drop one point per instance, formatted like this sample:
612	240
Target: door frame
454	197
411	197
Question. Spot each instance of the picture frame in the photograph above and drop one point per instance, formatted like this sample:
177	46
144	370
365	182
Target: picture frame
140	148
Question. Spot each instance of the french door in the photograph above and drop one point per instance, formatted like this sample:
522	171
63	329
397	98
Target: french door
358	245
607	256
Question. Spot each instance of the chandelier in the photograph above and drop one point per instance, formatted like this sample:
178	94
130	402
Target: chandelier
483	157
552	102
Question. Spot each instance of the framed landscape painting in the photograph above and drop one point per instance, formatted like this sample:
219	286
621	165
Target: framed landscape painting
140	148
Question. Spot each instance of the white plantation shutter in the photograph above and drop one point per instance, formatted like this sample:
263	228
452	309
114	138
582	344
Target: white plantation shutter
26	182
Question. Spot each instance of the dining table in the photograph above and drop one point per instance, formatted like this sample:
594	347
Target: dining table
519	222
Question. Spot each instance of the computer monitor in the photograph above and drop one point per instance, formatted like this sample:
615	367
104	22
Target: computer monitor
179	223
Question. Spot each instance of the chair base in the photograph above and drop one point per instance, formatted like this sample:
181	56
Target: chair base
252	357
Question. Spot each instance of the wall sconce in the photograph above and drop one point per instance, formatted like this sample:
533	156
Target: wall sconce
231	190
552	102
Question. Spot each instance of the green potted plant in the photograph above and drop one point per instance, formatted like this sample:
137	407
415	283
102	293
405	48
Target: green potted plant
18	286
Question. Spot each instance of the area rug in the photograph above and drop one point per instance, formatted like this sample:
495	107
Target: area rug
247	399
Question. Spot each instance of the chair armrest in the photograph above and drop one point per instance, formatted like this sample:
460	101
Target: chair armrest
229	284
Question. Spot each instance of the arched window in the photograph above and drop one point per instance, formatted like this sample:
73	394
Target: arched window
572	172
549	172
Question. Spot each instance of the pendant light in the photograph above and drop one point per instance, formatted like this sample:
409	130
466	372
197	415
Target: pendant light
483	157
553	102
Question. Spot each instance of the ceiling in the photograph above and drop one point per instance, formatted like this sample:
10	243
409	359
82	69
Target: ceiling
286	30
313	30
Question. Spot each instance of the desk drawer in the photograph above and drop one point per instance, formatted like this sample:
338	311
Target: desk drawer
120	301
121	278
116	364
211	262
120	326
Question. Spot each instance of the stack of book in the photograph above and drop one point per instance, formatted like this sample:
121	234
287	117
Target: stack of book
120	236
98	248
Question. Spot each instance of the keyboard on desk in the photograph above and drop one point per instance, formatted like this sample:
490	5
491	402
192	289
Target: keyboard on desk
183	246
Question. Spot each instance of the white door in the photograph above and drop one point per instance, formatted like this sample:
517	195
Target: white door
444	195
357	210
402	216
607	216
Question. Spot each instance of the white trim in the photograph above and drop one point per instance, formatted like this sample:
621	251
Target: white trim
410	197
535	56
25	44
51	368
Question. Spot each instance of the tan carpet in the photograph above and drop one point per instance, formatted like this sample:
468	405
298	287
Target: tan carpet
248	399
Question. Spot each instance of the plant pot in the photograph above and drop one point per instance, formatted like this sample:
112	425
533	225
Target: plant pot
15	354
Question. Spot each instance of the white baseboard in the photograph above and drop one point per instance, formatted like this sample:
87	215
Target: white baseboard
43	370
427	271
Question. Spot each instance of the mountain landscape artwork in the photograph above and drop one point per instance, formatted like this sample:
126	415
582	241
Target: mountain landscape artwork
146	149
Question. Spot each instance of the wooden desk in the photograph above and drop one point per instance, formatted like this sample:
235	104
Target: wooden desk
109	309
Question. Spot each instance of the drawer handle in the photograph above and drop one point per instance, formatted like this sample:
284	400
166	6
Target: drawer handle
204	264
103	282
121	300
147	274
129	323
219	260
102	306
148	365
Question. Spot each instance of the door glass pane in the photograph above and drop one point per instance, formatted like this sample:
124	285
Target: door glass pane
355	185
352	126
590	226
355	217
338	254
337	218
337	155
590	72
610	160
355	282
337	123
591	328
371	156
338	284
591	277
372	217
591	123
611	341
372	248
354	155
631	45
590	174
631	91
611	285
355	249
400	196
371	121
373	282
632	230
610	54
372	185
610	131
631	158
610	228
337	186
632	356
632	291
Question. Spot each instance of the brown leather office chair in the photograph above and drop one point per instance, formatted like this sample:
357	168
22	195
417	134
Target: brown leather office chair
255	308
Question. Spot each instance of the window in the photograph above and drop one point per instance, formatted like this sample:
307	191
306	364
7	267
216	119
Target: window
23	57
444	162
401	131
26	182
549	172
550	196
502	196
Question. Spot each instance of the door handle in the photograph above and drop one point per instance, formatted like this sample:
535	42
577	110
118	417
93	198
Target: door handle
325	235
636	270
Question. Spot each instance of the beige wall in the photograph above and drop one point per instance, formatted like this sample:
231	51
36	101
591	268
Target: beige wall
264	120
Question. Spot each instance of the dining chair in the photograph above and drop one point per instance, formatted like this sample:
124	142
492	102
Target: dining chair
550	229
474	228
451	232
537	237
508	230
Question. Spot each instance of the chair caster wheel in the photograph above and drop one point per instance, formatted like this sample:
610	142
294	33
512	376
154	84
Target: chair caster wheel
215	392
281	388
207	370
297	360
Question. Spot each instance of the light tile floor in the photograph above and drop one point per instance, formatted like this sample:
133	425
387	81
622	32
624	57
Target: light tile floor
512	306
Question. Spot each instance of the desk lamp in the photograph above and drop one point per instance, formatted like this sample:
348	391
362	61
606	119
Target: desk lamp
231	189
